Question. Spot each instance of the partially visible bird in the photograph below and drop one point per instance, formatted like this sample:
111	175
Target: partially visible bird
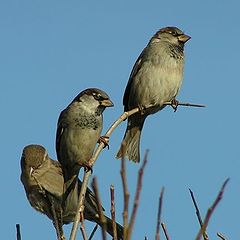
78	130
43	181
155	79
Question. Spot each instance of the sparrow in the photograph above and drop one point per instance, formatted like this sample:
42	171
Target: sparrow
155	79
78	130
43	181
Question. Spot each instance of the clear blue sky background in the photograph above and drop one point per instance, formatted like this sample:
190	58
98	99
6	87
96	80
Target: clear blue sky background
52	50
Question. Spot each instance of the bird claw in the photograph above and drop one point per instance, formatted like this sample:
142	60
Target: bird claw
87	167
174	104
105	141
142	109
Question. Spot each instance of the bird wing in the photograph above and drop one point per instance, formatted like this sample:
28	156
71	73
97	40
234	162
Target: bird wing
50	177
134	72
60	130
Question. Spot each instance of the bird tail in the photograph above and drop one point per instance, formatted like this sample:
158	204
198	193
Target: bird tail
131	141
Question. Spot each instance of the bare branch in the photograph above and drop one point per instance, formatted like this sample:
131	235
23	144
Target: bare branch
93	232
211	210
165	231
125	192
157	237
113	212
18	231
80	207
100	210
221	236
137	196
174	104
82	228
205	236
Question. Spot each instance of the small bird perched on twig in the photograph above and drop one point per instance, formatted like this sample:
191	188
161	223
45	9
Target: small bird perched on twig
155	79
78	130
43	181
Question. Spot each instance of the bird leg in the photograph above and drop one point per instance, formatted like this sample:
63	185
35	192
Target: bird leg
104	140
87	167
174	104
142	109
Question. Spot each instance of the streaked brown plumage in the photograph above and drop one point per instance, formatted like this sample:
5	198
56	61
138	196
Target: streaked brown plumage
155	79
43	181
78	130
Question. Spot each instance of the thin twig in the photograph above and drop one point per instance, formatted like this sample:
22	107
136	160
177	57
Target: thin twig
113	213
184	104
211	210
100	210
205	236
82	227
137	197
220	235
157	237
93	232
80	207
165	231
18	231
125	192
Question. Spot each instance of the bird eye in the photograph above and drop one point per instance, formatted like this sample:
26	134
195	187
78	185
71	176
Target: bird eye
97	96
174	33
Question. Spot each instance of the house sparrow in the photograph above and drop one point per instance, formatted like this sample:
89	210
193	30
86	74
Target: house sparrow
155	79
43	181
78	130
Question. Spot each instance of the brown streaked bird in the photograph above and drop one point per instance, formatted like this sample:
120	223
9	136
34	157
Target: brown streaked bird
43	181
78	130
155	79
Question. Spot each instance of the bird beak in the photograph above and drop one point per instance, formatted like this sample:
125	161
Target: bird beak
183	38
106	103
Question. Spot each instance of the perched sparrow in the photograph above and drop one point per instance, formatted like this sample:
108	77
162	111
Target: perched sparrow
78	130
155	79
43	181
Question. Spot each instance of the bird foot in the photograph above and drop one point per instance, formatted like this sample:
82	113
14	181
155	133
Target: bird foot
142	109
105	141
87	167
174	104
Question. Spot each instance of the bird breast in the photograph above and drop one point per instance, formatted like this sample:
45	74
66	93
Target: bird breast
157	81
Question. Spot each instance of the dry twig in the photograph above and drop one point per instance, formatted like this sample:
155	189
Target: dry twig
221	236
165	231
82	227
157	237
174	104
211	210
113	212
93	232
100	210
137	197
18	231
125	193
205	236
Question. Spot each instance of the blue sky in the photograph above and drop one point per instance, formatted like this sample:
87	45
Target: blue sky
52	50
